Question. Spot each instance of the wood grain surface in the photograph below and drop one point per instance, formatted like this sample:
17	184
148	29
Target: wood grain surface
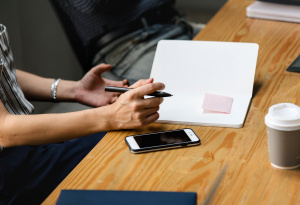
250	178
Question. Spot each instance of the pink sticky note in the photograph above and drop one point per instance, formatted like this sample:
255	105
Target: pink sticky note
217	103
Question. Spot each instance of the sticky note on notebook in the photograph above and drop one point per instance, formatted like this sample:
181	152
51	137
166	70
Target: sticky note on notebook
217	103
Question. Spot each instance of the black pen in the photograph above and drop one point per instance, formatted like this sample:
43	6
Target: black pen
123	90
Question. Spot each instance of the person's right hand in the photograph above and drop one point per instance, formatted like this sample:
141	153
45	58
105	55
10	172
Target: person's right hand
131	110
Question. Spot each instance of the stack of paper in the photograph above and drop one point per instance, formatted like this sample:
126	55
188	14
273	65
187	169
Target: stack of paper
274	11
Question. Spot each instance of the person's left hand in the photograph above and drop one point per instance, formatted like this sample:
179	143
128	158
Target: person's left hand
90	89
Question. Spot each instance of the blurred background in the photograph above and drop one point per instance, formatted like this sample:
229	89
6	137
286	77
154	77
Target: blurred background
199	11
40	46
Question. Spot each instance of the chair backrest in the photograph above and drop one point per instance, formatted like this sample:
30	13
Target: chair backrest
86	21
82	52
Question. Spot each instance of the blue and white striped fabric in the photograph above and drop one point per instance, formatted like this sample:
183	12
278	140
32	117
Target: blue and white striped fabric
11	94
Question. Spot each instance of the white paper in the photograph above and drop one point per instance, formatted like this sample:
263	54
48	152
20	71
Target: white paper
189	69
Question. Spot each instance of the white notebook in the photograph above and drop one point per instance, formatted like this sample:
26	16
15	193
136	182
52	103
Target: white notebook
274	11
191	69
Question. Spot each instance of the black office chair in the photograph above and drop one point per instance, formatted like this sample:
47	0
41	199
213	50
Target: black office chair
87	37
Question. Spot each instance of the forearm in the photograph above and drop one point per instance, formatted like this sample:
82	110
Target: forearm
51	128
39	88
130	111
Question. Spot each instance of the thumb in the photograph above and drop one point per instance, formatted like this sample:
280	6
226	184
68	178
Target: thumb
101	68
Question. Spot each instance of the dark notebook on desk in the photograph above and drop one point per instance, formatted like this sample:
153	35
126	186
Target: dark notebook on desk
103	197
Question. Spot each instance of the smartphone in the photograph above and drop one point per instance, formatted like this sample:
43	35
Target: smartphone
162	140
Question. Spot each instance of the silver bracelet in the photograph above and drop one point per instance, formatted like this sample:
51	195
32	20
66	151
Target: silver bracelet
54	89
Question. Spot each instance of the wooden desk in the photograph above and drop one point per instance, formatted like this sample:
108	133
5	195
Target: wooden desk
250	179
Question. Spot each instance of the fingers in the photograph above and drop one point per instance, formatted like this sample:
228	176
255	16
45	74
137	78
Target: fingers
148	88
147	111
131	110
123	83
146	117
150	118
150	103
142	82
113	99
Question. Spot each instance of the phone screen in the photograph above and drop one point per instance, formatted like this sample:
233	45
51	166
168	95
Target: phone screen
157	139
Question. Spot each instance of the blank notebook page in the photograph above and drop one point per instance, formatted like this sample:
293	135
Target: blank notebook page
190	69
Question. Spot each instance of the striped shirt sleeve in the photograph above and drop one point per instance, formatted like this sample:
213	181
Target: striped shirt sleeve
10	92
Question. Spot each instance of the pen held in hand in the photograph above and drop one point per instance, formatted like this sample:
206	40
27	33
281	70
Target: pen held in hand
123	90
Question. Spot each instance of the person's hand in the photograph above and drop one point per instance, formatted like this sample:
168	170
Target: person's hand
131	110
90	89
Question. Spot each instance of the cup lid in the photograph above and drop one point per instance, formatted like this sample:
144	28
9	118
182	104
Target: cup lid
283	116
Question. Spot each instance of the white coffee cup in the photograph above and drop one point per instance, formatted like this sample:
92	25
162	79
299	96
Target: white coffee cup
283	127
